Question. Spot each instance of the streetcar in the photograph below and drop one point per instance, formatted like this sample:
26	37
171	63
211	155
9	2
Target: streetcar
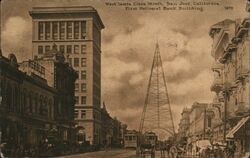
130	139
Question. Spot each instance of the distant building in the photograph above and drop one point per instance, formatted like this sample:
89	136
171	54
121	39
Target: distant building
112	129
117	131
198	125
76	31
107	127
184	122
231	54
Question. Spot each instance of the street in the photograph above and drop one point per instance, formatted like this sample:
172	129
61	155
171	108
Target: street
115	153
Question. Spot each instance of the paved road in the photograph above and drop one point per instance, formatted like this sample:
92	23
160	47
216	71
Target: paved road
119	153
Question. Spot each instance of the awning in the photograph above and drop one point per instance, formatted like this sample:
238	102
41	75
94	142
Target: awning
231	133
203	144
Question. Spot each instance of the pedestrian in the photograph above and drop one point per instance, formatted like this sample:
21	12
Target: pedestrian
232	149
2	148
173	152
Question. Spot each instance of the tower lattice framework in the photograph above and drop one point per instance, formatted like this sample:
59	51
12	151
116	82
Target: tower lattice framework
157	114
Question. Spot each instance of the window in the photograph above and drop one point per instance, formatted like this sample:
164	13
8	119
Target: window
65	135
83	75
47	30
83	49
76	62
76	114
209	122
83	87
62	49
83	31
83	99
40	49
70	61
76	29
76	49
83	114
62	30
55	30
40	31
69	30
69	49
76	87
77	73
76	100
47	48
83	62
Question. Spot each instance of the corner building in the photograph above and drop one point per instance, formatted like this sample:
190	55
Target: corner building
231	53
76	32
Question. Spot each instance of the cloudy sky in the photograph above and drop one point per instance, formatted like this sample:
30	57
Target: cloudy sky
128	43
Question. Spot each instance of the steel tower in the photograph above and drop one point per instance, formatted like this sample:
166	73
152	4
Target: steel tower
157	114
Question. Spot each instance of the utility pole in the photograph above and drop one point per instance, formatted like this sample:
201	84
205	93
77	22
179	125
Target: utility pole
225	113
205	118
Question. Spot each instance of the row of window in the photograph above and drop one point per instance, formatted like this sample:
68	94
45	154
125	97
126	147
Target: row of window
27	102
76	62
83	75
37	67
83	100
130	138
69	49
62	30
81	112
83	87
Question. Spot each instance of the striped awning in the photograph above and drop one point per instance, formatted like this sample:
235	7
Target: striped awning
231	133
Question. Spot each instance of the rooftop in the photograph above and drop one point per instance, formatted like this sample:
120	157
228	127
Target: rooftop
66	10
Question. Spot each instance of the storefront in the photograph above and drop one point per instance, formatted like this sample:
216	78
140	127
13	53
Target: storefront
240	136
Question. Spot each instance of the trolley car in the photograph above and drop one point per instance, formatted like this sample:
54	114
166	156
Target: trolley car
130	139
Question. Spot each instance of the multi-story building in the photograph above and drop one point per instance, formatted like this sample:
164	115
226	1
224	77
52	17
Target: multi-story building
184	123
197	126
112	129
107	127
61	77
30	107
200	121
77	33
232	85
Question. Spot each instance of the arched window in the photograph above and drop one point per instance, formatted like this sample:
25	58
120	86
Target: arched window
9	97
50	115
41	105
16	100
36	104
24	101
45	106
30	102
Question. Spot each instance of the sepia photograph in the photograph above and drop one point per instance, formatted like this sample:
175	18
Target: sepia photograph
125	78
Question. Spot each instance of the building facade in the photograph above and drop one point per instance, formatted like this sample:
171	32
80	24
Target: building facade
231	84
60	76
29	105
112	130
184	123
77	33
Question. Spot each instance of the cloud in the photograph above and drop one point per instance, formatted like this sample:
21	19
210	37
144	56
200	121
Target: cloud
16	33
128	45
201	84
178	65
